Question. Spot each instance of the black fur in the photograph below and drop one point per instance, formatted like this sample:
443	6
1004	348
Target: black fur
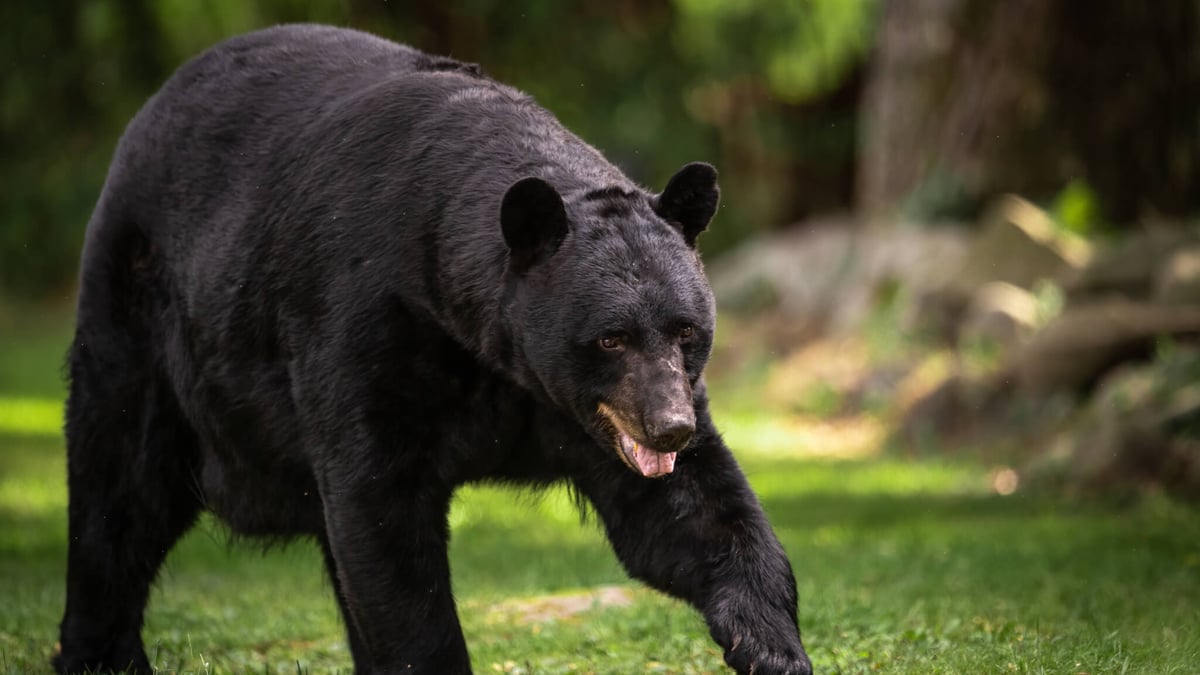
690	200
299	309
533	221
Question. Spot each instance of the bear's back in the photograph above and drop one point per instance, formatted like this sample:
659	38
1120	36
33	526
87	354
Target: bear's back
246	145
295	121
321	61
227	120
266	166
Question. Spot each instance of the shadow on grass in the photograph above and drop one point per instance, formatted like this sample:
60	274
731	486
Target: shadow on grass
32	535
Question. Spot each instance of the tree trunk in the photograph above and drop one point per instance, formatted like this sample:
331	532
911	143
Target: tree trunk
967	99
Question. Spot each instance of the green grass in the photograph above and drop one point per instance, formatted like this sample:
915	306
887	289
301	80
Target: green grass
902	568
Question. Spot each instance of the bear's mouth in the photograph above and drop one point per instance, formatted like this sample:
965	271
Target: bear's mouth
636	455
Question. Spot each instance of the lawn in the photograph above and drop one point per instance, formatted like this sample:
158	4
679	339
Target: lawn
903	567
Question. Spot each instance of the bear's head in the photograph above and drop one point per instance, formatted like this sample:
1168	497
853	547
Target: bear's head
610	314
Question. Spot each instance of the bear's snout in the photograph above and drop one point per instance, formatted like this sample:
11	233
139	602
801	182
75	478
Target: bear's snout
671	430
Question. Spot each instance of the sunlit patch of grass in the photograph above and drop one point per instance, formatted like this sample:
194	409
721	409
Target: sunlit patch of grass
863	477
555	606
800	436
37	416
32	497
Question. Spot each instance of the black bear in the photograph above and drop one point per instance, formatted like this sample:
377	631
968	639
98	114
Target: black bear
331	278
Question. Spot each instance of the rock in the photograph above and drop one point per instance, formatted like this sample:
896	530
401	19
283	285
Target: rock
828	273
1115	452
937	312
957	406
1132	433
1017	244
876	390
1183	470
942	412
1074	350
923	379
833	366
1178	282
1000	312
795	271
1130	268
898	256
1114	428
1124	390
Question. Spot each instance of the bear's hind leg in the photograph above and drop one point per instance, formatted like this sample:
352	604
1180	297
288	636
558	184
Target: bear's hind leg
131	456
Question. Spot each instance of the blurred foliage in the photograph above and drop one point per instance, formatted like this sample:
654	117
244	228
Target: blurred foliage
765	89
1077	209
1050	301
806	48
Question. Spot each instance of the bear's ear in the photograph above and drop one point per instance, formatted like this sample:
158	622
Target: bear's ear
534	222
690	199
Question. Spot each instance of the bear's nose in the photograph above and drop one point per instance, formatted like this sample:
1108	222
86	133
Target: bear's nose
670	433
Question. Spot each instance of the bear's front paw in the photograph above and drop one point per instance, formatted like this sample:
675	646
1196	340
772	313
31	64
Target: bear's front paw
758	642
749	656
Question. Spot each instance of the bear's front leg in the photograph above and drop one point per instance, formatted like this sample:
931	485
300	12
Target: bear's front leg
699	534
387	534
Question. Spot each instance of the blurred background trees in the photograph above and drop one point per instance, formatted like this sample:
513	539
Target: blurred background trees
926	108
970	99
766	89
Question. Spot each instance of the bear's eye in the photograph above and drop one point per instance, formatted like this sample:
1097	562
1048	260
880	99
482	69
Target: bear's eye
612	342
686	332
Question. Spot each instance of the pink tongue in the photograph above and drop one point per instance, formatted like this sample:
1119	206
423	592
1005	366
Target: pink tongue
653	464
